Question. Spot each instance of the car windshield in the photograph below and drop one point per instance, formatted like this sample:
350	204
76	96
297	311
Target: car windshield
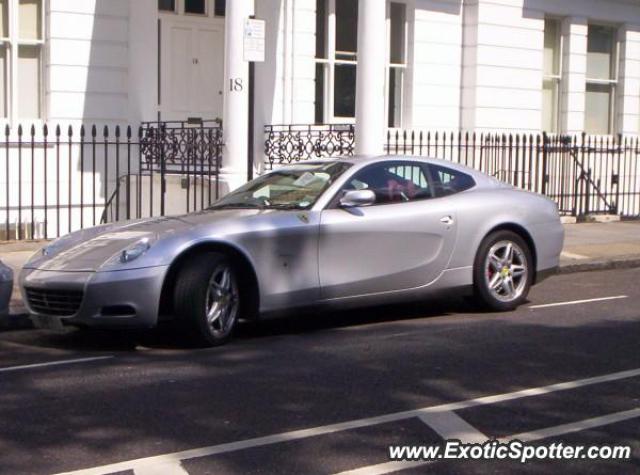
292	187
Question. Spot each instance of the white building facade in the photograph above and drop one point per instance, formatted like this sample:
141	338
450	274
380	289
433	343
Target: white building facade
514	66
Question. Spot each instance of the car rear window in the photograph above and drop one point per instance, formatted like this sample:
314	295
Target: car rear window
447	181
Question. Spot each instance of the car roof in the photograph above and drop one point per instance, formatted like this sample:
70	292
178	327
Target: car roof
362	160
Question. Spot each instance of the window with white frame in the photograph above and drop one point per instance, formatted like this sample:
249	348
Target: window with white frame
193	7
21	47
397	20
602	79
336	59
552	75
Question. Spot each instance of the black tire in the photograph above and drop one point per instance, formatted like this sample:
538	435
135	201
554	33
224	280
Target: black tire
193	294
482	275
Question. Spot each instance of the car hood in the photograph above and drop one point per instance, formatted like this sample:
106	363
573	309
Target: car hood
92	249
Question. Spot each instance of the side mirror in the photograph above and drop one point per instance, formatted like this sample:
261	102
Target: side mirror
357	198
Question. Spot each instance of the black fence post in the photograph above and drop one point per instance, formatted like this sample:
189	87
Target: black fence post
7	225
19	182
45	133
82	134
70	174
117	190
162	136
545	163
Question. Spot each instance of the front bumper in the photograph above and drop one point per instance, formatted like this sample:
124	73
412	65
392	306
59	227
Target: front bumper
114	299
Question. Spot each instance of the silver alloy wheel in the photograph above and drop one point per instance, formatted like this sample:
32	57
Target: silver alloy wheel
506	271
222	300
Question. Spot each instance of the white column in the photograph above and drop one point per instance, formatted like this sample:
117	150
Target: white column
235	118
628	104
370	79
574	73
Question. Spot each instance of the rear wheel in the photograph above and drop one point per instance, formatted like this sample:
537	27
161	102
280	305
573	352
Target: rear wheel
503	271
207	298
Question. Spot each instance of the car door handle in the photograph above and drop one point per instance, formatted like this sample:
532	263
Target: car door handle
448	220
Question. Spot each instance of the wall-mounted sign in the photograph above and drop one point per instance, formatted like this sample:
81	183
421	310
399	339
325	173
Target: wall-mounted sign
254	33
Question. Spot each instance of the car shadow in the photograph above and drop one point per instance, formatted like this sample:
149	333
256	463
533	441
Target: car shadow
168	336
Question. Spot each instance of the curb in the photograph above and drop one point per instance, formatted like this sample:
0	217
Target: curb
602	264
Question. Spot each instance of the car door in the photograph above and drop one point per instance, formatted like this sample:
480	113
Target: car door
402	241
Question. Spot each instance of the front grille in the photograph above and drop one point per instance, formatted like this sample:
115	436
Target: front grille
61	303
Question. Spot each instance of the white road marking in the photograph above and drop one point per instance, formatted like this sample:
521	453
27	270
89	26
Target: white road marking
575	426
571	255
53	363
173	467
450	425
576	302
386	467
397	466
354	424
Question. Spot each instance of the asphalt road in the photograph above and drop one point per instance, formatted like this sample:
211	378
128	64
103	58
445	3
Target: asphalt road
329	393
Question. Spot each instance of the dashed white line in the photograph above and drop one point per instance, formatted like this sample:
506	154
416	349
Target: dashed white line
397	466
53	363
575	426
172	467
450	426
384	468
577	302
342	426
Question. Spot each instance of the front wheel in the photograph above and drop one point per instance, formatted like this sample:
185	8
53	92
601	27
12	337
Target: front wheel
207	298
503	271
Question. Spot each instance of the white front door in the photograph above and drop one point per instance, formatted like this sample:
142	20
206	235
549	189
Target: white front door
191	71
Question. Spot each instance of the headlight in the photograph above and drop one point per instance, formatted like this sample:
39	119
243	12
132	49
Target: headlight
135	250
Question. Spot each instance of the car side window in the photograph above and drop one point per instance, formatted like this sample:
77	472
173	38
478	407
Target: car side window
447	181
392	182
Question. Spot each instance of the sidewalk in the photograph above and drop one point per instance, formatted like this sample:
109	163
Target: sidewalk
588	246
596	246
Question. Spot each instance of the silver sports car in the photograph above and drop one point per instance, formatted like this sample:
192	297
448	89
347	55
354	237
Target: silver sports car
352	231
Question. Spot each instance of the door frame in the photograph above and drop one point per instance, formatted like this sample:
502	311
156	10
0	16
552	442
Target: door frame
166	21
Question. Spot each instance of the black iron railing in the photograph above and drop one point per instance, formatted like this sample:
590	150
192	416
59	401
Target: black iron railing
583	174
176	144
289	143
54	181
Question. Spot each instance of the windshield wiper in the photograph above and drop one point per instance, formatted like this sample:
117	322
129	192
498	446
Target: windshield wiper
283	206
237	205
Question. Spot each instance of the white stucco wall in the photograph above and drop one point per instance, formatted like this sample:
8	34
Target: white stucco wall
471	64
502	70
435	36
88	61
